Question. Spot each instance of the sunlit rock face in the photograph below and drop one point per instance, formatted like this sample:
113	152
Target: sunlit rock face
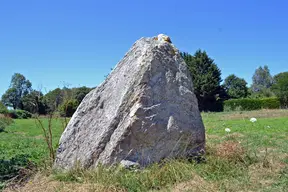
145	111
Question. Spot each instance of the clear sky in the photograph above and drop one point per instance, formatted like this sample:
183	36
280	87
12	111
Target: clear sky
77	42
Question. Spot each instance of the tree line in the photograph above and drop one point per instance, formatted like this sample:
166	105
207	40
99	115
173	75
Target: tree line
21	96
205	74
206	77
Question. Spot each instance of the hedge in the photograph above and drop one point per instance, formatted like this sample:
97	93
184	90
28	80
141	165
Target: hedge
19	114
251	104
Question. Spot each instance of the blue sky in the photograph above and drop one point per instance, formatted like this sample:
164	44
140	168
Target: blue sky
68	42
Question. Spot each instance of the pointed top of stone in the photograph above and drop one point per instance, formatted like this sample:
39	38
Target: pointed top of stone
163	38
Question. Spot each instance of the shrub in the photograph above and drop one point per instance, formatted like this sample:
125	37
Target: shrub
3	108
251	104
68	108
4	122
19	114
12	167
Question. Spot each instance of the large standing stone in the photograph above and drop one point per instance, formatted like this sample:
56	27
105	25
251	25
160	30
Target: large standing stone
143	112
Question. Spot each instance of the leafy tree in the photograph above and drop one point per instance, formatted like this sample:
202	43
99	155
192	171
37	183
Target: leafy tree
67	93
19	87
280	87
54	99
206	77
262	93
80	92
34	103
9	98
235	87
57	97
262	79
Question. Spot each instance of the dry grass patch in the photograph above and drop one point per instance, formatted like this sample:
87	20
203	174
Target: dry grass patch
42	183
265	174
39	137
264	113
214	137
194	185
230	150
233	136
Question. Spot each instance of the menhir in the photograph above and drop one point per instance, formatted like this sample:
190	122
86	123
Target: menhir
145	111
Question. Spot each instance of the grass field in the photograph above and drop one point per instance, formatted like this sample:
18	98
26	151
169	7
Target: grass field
252	157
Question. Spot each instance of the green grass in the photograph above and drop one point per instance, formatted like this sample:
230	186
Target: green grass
25	137
252	157
266	132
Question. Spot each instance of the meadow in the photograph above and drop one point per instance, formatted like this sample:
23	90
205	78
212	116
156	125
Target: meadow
241	156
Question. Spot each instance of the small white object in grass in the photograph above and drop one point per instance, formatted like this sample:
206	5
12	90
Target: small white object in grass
253	119
129	164
227	130
268	126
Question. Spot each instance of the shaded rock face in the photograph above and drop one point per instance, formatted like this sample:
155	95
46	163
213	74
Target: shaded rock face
143	112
